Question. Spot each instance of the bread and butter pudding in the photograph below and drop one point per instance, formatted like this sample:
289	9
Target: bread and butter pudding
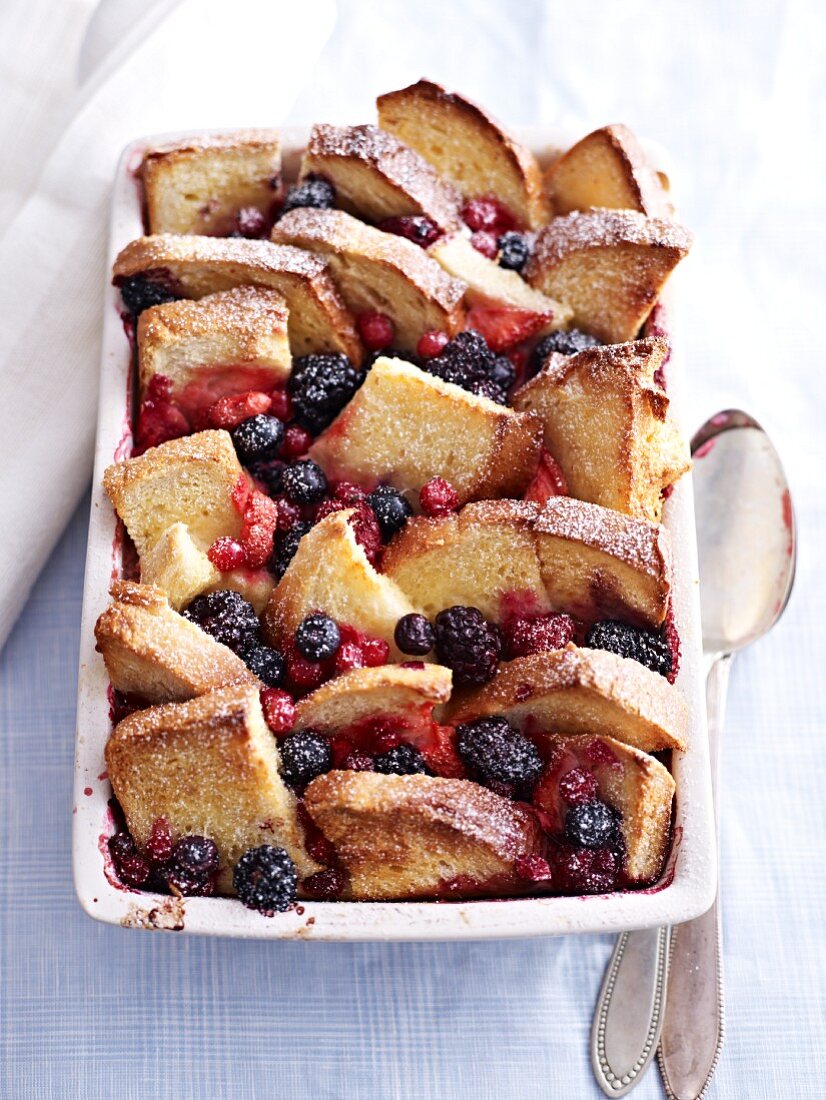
400	623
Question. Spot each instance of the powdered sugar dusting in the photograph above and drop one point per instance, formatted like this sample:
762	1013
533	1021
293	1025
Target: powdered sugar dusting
636	541
164	250
604	228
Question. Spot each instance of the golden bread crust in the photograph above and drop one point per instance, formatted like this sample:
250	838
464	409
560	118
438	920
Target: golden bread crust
413	836
633	451
379	272
152	651
210	767
609	266
377	176
368	692
578	691
405	426
466	144
319	320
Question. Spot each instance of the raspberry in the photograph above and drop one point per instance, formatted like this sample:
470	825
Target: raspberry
414	635
485	243
349	657
281	405
159	845
317	637
279	709
601	755
376	330
313	191
297	442
227	554
258	529
578	786
226	616
267	664
467	644
645	646
523	637
358	762
265	879
415	227
585	871
438	497
304	482
366	530
402	760
566	343
498	756
258	438
591	825
304	756
159	418
432	343
375	652
250	222
672	640
288	514
514	251
533	868
139	292
347	492
229	412
304	674
325	885
488	214
320	386
133	870
391	508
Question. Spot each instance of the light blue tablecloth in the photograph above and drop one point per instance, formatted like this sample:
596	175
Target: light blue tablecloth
89	1011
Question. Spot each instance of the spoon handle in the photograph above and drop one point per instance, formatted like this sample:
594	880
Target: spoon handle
692	1035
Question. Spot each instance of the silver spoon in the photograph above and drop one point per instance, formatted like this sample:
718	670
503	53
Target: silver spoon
746	546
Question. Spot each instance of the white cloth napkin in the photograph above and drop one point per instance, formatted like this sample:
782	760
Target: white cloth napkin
186	65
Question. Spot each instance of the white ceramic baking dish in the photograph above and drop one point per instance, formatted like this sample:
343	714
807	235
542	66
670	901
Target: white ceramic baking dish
686	888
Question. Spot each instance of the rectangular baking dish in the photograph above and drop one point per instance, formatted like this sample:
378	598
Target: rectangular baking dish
687	885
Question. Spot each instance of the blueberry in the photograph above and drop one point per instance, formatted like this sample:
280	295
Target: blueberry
317	637
304	755
258	438
392	509
265	879
267	664
313	191
591	825
514	251
401	760
498	756
645	646
303	482
414	635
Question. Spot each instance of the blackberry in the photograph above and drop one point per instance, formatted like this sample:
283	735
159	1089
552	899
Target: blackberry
503	372
269	474
392	509
467	644
265	879
267	664
591	825
645	646
226	616
514	251
139	292
566	343
313	191
488	389
465	359
320	386
305	755
287	546
414	635
498	756
317	637
401	760
258	438
304	482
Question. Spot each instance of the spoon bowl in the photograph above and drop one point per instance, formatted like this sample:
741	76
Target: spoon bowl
745	528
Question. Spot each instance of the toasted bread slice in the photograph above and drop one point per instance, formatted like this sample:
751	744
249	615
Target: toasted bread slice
379	272
177	565
199	185
490	284
190	481
330	573
463	142
483	557
405	426
627	455
607	168
609	266
209	767
629	780
405	696
192	267
377	177
222	344
415	836
598	564
152	651
573	691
